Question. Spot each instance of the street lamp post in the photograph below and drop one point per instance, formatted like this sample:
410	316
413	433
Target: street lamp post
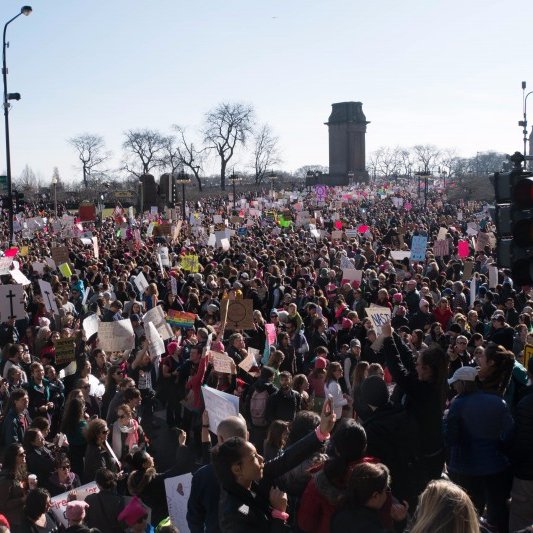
183	180
234	179
523	123
54	183
25	10
351	176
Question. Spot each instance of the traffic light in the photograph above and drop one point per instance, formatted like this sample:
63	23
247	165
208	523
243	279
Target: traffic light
20	204
514	221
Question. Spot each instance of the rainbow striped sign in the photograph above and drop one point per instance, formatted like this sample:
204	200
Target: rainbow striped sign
181	319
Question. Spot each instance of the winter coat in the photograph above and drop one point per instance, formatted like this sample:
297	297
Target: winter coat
476	428
520	453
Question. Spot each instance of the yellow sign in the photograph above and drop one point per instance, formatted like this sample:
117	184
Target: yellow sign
528	353
190	263
24	251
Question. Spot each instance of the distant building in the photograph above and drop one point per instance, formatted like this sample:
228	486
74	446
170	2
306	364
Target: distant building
347	151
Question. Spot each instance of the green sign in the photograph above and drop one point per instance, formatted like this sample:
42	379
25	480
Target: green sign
3	184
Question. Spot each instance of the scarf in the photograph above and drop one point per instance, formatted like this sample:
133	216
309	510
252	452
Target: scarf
132	436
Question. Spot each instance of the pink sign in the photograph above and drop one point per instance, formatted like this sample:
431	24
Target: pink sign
338	224
463	248
408	206
362	228
11	252
270	330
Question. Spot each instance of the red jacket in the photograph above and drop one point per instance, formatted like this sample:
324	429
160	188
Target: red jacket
443	316
321	499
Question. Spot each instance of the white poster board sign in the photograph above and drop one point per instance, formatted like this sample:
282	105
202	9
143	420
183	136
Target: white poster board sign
58	504
157	316
140	282
379	316
11	302
116	336
219	405
90	326
48	297
178	490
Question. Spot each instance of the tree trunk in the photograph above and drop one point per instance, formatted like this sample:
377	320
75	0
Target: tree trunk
199	182
85	177
223	175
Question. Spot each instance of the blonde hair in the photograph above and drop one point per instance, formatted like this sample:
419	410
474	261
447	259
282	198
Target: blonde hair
444	507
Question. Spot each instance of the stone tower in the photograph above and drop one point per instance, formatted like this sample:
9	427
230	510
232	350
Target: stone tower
347	130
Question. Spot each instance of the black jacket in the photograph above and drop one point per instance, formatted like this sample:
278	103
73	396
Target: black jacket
357	520
283	405
422	398
202	507
242	511
104	507
521	455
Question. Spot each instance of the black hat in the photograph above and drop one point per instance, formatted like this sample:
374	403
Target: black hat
374	391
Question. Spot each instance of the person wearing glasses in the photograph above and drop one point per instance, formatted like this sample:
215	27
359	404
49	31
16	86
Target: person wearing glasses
39	458
13	484
98	453
14	359
62	479
115	375
127	435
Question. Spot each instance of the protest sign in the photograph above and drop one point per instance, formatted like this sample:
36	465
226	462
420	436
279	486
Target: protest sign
48	296
379	316
400	255
350	275
483	239
190	262
5	265
90	326
38	267
116	336
473	291
64	268
156	346
441	248
336	235
164	255
12	302
65	350
468	269
418	247
140	282
58	504
19	277
463	248
94	241
270	330
528	353
157	316
249	361
442	234
222	362
219	405
60	254
178	490
238	313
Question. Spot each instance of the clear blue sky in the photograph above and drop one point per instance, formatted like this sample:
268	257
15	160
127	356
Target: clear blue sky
427	71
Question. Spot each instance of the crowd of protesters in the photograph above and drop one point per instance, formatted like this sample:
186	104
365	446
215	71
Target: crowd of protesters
422	425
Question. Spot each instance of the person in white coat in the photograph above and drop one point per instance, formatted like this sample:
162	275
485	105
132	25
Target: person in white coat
332	388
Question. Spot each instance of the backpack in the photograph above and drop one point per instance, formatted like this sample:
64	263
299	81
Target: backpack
258	403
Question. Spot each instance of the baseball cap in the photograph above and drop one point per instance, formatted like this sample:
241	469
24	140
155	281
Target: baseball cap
465	373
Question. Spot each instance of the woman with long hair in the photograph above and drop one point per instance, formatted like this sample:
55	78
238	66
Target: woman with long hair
276	439
300	384
98	453
150	296
444	507
13	484
114	376
332	388
74	425
39	458
62	479
360	373
424	387
495	369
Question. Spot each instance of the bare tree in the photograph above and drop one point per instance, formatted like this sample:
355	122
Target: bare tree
405	162
227	125
385	161
188	155
302	171
266	153
91	153
144	151
27	181
449	162
426	156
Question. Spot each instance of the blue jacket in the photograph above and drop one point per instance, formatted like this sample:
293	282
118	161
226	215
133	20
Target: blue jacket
476	430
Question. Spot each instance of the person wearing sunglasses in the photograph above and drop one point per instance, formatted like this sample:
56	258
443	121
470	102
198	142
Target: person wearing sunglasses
98	453
62	479
13	484
127	435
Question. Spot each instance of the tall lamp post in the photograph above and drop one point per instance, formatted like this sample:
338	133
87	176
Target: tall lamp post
182	179
351	176
234	179
54	183
523	123
25	10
